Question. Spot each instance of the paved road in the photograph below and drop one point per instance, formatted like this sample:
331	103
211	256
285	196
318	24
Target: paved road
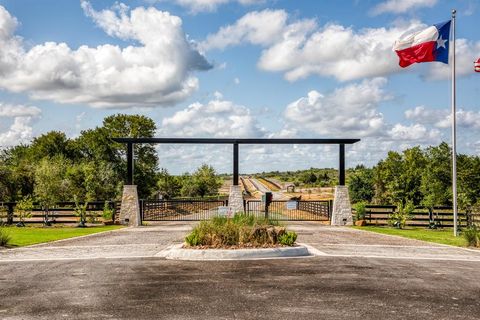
121	275
262	188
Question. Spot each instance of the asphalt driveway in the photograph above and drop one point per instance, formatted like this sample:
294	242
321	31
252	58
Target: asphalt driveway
122	275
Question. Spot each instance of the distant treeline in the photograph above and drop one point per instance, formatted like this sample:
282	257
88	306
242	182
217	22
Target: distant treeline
419	176
91	167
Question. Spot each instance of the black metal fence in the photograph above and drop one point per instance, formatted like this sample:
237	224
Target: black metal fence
61	212
194	210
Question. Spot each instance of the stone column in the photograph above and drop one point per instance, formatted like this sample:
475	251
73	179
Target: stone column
235	199
130	209
342	209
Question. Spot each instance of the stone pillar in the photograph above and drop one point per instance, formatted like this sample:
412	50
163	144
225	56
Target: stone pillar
342	209
130	209
235	199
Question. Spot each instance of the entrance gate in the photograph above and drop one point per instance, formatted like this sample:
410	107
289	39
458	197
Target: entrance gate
196	210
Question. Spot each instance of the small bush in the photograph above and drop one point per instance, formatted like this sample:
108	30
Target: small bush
243	229
399	218
107	213
288	238
4	237
472	235
24	210
360	210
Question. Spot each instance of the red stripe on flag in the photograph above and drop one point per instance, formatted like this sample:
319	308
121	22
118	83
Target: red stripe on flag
420	53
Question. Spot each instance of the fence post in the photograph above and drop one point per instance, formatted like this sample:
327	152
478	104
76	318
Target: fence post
141	211
330	206
10	213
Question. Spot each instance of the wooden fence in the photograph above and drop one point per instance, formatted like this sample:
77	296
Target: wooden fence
421	217
62	212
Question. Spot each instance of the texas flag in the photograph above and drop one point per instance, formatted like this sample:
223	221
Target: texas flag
430	44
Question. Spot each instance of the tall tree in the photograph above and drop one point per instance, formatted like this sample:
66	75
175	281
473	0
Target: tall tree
205	181
168	185
360	184
437	178
96	145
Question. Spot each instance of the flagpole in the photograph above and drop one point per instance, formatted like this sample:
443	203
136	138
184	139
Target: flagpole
454	132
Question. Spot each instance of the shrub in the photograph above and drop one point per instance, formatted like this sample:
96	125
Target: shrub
81	212
107	213
288	238
472	235
360	210
399	218
3	214
24	210
242	229
4	237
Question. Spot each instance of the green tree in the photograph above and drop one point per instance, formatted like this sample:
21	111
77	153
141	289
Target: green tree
169	186
387	178
468	178
436	182
16	173
96	145
360	184
205	181
52	144
50	183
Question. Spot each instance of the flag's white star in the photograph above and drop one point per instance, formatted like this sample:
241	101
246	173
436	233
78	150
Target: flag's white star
441	42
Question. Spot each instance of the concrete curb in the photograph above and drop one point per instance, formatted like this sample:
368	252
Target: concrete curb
178	253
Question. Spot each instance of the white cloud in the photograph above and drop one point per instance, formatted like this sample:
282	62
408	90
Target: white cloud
20	130
350	111
300	48
441	118
8	111
157	71
195	6
415	132
217	118
257	27
401	6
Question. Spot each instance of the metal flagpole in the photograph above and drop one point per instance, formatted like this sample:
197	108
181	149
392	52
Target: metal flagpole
454	131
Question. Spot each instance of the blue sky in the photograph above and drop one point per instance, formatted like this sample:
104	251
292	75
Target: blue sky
237	68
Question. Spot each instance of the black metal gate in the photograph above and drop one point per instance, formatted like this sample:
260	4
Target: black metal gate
179	210
196	210
284	210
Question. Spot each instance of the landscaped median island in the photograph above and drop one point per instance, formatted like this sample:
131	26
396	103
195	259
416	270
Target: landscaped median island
242	237
241	231
19	237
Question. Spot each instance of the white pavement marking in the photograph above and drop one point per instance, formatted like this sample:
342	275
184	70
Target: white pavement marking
314	251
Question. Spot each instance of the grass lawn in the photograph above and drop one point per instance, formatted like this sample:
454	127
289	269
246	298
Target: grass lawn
444	236
31	235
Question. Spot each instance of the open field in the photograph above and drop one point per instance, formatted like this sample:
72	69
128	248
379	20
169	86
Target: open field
32	235
443	236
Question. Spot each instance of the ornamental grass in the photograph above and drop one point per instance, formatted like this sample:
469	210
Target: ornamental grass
242	231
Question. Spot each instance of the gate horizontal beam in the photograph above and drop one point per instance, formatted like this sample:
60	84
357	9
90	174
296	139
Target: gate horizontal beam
233	141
